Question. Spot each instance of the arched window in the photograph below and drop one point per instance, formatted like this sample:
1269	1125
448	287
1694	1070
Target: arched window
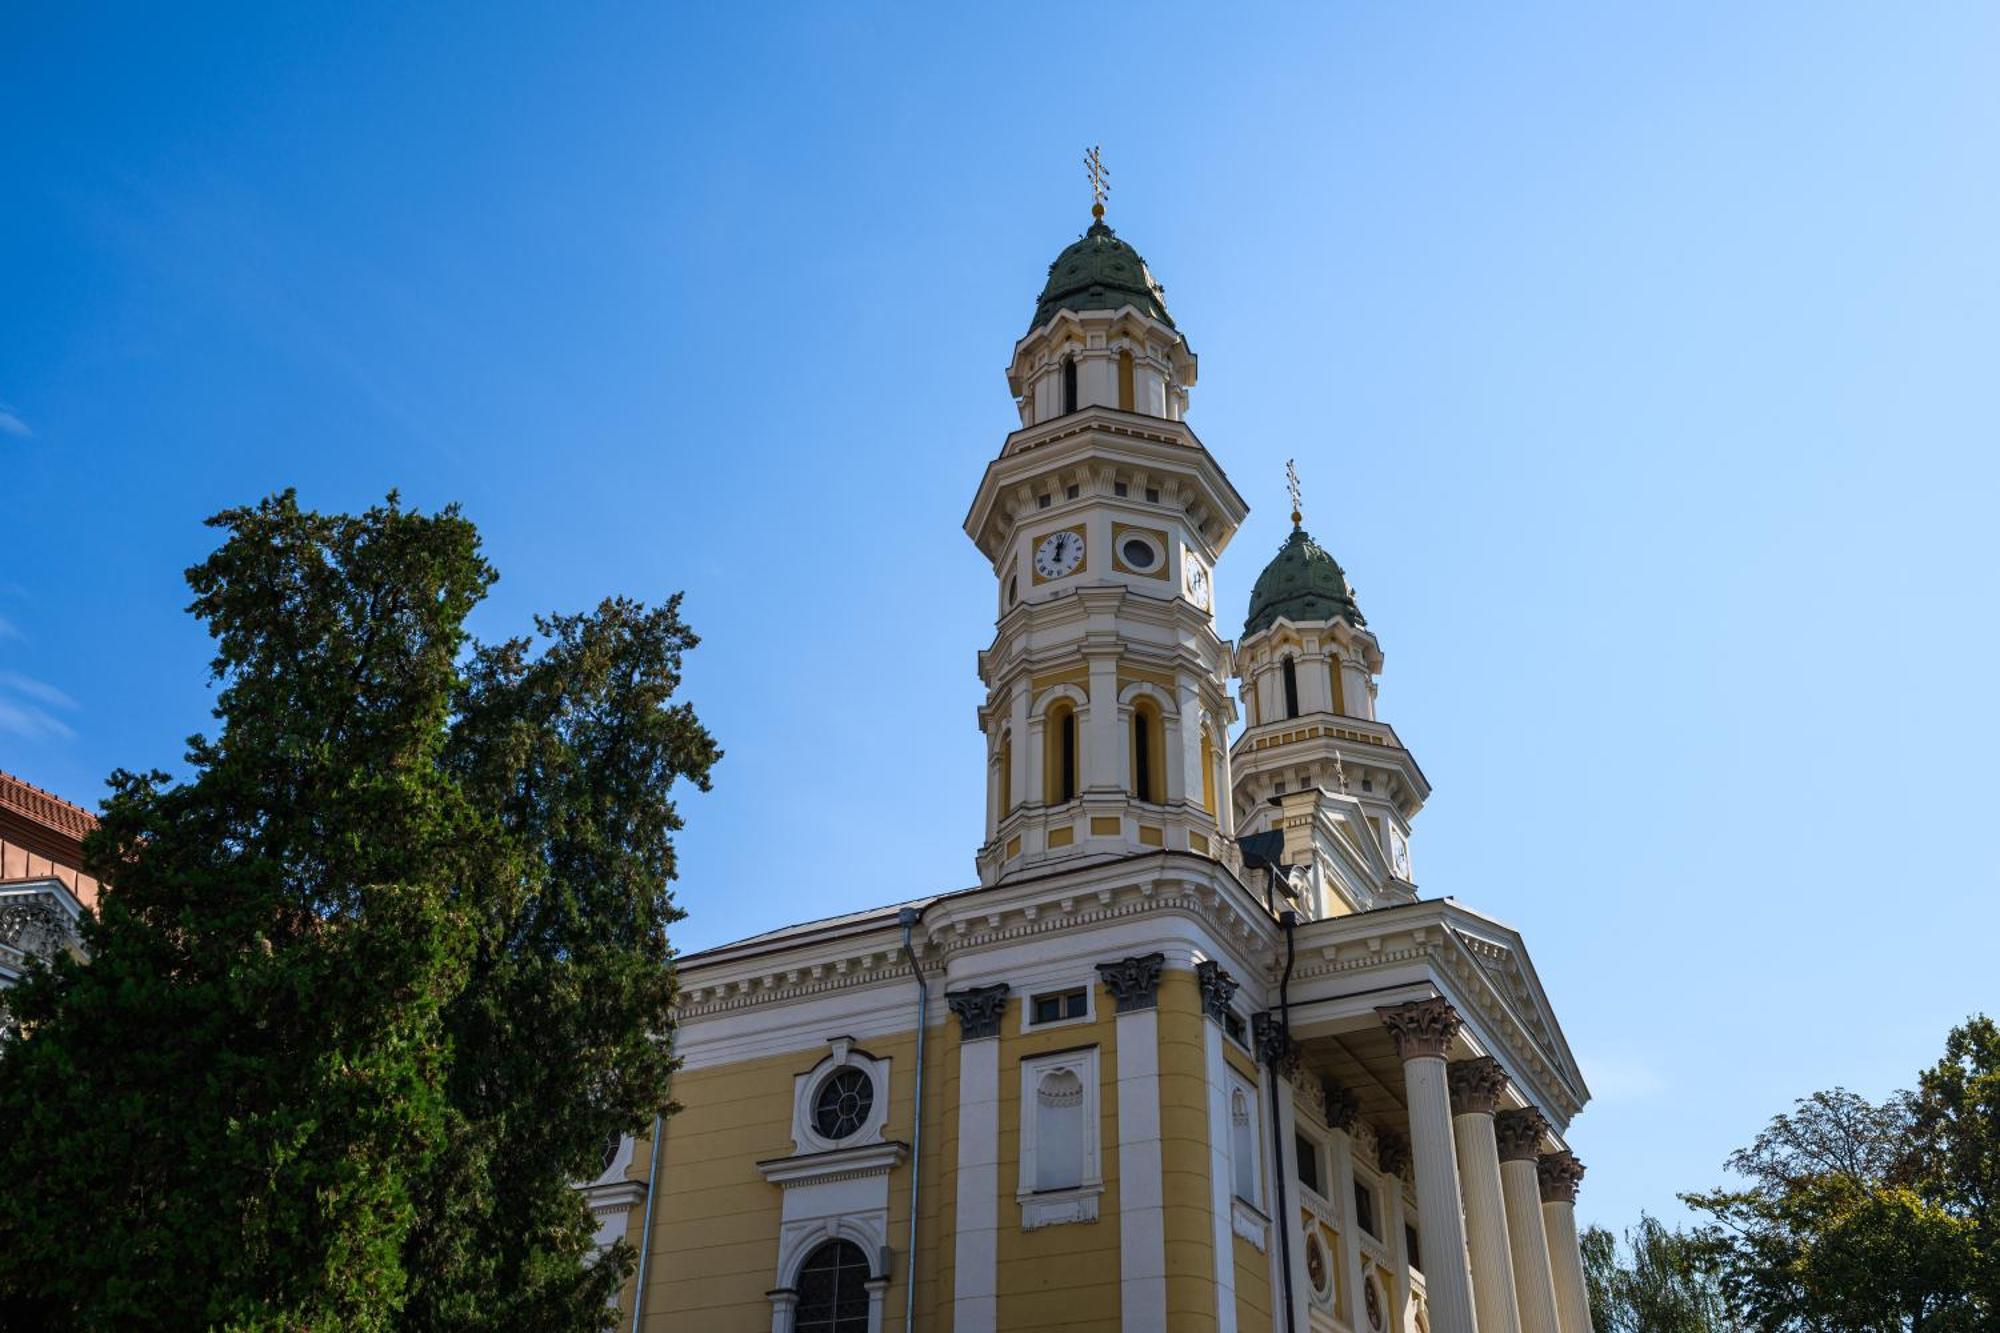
833	1290
1291	687
1059	745
1059	1131
1149	758
1125	393
1243	1146
1335	693
1069	384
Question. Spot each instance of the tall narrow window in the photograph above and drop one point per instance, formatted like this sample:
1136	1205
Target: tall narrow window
1059	742
1059	1131
1207	771
1148	753
1308	1154
1006	773
1243	1145
1291	688
1125	396
1069	384
1335	692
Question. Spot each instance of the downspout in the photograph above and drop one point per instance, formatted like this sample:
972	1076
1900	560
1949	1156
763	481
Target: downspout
908	920
1283	1211
646	1233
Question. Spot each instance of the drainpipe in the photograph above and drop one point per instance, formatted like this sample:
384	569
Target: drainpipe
1286	1216
646	1234
907	918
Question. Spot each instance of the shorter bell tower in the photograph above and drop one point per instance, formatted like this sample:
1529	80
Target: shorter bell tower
1313	759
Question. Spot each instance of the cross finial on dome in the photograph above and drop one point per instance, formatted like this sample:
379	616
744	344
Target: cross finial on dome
1292	486
1100	180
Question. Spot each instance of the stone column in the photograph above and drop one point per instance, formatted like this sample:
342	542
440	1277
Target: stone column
1423	1030
1343	1109
975	1267
1142	1216
1217	988
1476	1086
1561	1173
1519	1137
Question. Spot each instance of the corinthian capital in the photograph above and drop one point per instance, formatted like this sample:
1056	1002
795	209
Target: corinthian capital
1421	1027
1392	1151
1560	1174
979	1010
1218	988
1342	1106
1476	1085
1134	982
1519	1133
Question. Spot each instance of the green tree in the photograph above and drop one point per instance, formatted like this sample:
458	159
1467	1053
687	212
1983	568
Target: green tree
1853	1218
1954	1160
375	980
1672	1283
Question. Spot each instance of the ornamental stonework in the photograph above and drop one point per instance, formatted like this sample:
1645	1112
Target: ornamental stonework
1134	982
1392	1152
1342	1106
979	1010
1560	1174
1519	1133
1275	1045
1476	1085
1218	988
1422	1028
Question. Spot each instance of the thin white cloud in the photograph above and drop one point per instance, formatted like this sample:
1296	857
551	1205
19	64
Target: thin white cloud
39	691
25	720
7	630
11	423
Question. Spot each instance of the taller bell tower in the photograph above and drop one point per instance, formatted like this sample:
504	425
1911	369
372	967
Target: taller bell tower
1107	709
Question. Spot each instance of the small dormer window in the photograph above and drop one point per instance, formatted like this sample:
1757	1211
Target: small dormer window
1152	495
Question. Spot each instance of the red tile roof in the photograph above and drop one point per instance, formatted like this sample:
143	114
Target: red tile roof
46	809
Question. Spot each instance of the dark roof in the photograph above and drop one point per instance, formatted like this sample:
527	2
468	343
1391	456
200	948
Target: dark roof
1303	583
1100	272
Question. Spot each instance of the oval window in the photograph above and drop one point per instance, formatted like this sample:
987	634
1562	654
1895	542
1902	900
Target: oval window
1139	554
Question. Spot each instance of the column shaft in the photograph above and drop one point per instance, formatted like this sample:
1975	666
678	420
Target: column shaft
1486	1223
1534	1285
1142	1234
976	1250
1447	1271
1566	1265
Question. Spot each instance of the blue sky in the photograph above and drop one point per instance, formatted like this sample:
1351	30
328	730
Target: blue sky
1639	364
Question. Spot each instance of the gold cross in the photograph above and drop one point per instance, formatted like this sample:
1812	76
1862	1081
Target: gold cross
1292	485
1100	181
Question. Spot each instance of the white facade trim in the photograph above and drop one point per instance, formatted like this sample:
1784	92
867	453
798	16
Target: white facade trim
975	1266
1142	1228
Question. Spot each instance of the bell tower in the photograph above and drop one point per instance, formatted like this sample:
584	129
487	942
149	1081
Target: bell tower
1107	711
1313	759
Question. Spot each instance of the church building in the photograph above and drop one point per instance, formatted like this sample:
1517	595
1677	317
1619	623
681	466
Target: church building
1195	1053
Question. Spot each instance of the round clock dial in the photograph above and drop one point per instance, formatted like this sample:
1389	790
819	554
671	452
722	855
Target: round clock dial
1058	555
1197	585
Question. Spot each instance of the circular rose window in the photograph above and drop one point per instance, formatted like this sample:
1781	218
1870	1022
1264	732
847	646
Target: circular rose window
843	1103
1316	1269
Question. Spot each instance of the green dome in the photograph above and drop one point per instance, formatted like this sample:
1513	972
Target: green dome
1302	584
1100	272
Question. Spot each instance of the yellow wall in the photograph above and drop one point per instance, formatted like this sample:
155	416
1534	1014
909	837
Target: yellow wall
715	1231
1060	1277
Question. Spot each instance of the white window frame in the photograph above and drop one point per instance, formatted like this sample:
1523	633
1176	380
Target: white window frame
1371	1244
1247	1216
1041	1208
841	1054
1087	985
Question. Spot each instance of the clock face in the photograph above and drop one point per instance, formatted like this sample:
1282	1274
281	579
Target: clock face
1197	585
1058	555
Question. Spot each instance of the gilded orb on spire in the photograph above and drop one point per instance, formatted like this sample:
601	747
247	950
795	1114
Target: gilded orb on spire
1292	487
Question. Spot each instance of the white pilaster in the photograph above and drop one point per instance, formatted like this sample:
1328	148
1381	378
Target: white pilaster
974	1265
1104	749
1142	1228
1221	1181
1291	1232
1341	1150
